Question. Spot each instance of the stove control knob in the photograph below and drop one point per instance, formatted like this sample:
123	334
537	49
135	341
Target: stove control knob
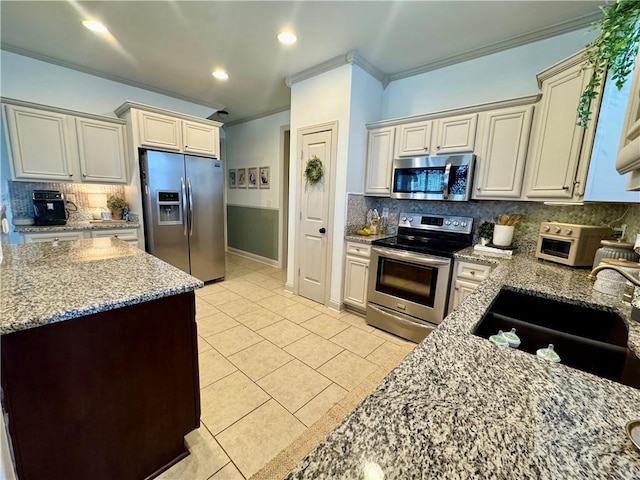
411	219
448	222
404	219
463	224
546	228
456	223
568	231
556	229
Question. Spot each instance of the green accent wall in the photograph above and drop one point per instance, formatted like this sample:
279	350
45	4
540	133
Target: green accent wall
253	230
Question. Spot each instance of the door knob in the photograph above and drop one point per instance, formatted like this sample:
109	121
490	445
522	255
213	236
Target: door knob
323	230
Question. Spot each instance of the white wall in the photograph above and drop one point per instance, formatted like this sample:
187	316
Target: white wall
24	78
256	144
503	75
321	99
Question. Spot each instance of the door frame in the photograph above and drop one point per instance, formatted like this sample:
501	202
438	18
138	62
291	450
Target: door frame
322	127
285	181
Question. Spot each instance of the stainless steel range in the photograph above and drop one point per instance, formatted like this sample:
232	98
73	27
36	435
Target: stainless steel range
408	290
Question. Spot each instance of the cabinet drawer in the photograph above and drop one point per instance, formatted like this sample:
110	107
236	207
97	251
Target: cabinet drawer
359	249
126	234
473	271
52	237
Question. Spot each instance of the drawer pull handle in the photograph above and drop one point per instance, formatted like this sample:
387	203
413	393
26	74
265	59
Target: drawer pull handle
472	272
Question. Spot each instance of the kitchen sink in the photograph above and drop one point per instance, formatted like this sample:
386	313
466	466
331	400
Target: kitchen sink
590	339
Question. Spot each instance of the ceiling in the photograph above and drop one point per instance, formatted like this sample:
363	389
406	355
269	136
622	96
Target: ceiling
171	47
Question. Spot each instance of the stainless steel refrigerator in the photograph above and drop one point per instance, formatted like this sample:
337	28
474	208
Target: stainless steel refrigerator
183	212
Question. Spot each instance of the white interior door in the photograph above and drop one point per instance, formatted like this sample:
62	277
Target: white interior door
314	218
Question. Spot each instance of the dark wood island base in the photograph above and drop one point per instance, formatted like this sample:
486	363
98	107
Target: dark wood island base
104	396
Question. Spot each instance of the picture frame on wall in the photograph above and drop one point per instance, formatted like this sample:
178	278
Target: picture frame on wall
232	178
252	177
264	178
241	177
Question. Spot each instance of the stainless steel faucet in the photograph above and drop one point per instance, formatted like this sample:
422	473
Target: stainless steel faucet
627	275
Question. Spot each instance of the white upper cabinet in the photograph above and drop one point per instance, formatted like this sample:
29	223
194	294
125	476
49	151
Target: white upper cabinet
628	160
102	151
200	138
560	149
159	131
414	139
503	137
379	159
455	134
39	145
52	144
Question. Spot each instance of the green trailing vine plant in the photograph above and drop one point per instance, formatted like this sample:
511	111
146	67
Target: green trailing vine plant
313	171
615	49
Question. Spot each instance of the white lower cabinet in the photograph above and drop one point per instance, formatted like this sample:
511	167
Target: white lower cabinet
356	275
467	276
53	236
129	235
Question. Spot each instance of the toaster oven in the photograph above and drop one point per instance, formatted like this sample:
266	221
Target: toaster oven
570	244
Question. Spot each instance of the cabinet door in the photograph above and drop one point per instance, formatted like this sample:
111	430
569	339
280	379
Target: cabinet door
379	158
159	131
502	152
557	142
461	290
129	235
456	134
414	139
40	145
355	282
102	151
200	138
52	237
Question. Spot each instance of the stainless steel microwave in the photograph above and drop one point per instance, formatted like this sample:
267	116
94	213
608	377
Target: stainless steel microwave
433	178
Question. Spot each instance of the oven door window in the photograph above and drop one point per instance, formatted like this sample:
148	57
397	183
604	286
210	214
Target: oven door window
407	281
556	248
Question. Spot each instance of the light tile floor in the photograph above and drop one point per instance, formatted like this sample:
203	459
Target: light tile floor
271	364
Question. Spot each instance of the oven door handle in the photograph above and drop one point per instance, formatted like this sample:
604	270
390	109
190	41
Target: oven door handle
401	320
412	257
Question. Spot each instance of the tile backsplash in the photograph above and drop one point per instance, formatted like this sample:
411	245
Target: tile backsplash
21	197
526	233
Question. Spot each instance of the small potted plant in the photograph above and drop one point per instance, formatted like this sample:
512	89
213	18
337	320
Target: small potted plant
485	232
116	205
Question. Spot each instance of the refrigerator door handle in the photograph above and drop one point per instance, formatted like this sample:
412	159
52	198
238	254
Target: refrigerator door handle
184	205
191	217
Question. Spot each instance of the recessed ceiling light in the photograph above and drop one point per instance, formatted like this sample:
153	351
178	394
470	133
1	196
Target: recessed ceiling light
95	26
288	38
220	74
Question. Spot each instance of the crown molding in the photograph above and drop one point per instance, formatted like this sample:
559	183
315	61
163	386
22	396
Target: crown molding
569	62
63	111
517	41
349	58
481	107
257	116
107	76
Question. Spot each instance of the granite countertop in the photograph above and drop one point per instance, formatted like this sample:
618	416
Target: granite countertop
74	226
366	238
44	283
459	407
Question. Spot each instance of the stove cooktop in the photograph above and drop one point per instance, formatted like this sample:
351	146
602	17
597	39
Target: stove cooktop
430	234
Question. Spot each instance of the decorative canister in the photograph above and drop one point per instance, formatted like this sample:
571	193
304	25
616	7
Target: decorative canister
615	249
611	282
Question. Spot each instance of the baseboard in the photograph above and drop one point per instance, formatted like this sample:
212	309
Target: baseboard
288	287
253	256
335	305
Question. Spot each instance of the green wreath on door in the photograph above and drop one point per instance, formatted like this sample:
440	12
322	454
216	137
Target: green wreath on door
313	171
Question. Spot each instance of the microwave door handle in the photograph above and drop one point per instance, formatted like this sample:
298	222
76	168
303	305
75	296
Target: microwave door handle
406	256
184	206
447	173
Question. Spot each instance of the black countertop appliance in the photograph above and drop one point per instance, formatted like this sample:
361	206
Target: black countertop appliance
48	206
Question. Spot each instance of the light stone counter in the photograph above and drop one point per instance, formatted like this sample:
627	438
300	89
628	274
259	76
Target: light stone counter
44	283
70	226
365	238
459	407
